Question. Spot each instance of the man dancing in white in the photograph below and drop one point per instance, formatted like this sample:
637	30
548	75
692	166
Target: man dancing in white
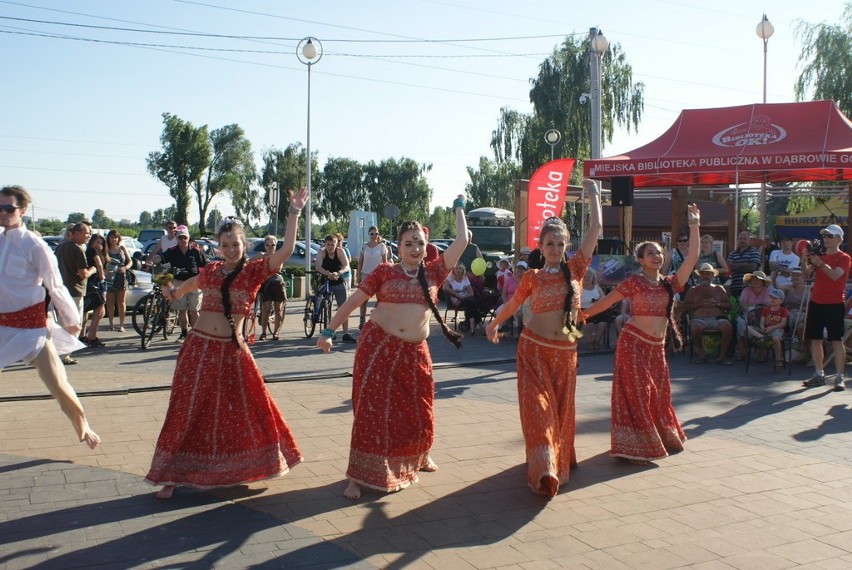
28	268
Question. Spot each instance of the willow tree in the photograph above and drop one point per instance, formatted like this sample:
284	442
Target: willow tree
826	61
556	94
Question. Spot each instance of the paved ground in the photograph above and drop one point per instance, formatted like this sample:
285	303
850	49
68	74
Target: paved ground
763	483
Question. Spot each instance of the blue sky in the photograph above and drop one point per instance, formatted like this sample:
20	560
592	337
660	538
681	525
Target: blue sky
79	116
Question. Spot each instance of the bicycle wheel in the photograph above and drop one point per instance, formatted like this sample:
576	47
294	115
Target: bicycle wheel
308	319
325	314
138	317
150	320
169	319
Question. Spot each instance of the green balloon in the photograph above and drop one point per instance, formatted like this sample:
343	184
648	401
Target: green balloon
477	266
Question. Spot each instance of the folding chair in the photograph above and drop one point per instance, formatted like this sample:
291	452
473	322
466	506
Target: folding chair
754	343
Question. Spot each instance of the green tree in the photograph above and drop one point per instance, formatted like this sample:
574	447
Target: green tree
401	183
100	219
213	218
492	184
76	217
160	217
146	220
441	223
185	155
231	167
340	189
562	80
826	61
287	169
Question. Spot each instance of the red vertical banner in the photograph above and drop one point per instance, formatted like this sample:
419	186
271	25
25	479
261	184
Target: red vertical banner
546	195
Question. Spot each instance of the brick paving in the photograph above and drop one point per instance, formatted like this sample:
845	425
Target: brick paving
763	481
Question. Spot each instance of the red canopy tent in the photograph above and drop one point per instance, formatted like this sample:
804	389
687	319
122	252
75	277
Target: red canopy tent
775	142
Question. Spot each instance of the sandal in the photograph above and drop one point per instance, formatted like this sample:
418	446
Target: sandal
274	336
262	336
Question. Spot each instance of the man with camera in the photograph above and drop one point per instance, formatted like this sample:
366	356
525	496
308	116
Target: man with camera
826	308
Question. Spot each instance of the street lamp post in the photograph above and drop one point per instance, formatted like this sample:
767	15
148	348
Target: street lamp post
552	137
273	202
309	52
598	45
764	31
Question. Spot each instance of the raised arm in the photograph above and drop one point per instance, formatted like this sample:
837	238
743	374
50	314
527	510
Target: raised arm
297	202
454	252
693	217
593	232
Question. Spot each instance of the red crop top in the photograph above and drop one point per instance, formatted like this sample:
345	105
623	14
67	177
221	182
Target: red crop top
243	288
548	290
390	285
648	299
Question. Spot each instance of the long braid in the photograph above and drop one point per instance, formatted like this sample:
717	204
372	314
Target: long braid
453	336
225	289
569	297
678	338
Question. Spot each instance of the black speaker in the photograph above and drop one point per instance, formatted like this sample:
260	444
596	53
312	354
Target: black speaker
622	191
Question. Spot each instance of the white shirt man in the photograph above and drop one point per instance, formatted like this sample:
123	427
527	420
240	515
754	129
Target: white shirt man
28	268
781	262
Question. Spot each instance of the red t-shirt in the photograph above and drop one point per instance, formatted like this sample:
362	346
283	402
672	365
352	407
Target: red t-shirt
828	292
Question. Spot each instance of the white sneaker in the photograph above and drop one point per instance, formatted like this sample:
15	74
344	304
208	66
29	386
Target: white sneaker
838	383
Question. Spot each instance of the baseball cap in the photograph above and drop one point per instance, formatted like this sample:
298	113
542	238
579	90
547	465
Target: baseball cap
522	264
525	250
777	294
182	231
832	230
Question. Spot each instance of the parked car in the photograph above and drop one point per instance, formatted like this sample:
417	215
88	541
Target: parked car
142	287
150	235
131	244
52	241
295	260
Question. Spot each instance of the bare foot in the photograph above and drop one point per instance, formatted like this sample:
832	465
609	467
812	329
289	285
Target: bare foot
549	486
92	439
353	491
166	492
429	466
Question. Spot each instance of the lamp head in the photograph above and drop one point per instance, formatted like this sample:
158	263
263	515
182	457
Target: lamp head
600	43
309	50
765	29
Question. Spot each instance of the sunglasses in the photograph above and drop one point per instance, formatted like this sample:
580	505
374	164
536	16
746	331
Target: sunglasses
171	227
373	234
8	208
682	240
270	244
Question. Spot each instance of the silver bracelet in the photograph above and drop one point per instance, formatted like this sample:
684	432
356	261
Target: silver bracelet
294	210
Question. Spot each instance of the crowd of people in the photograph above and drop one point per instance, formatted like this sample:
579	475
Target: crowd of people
223	428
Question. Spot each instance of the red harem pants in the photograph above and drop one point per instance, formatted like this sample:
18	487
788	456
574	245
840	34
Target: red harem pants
644	425
392	395
222	427
547	378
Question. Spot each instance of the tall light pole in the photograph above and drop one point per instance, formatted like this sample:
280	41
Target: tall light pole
764	31
273	203
309	52
598	45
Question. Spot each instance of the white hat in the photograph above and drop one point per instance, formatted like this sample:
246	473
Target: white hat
832	230
525	250
522	264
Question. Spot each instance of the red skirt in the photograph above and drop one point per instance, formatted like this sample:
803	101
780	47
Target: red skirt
644	425
392	396
222	427
547	381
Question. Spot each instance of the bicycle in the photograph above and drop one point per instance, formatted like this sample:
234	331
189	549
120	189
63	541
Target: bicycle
153	313
317	306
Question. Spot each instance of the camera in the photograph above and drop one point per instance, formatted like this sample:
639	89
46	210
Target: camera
815	247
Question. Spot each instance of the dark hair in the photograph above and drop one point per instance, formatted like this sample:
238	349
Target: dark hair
673	325
90	247
453	336
231	226
569	297
21	196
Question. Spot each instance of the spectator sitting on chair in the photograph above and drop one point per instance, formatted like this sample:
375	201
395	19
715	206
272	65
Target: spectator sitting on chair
773	321
757	293
510	284
781	262
459	294
708	303
712	256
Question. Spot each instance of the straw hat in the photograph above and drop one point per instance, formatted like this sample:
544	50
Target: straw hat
756	275
706	268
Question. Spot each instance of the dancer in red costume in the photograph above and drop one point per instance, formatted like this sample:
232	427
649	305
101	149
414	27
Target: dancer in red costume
222	427
392	385
547	350
644	426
